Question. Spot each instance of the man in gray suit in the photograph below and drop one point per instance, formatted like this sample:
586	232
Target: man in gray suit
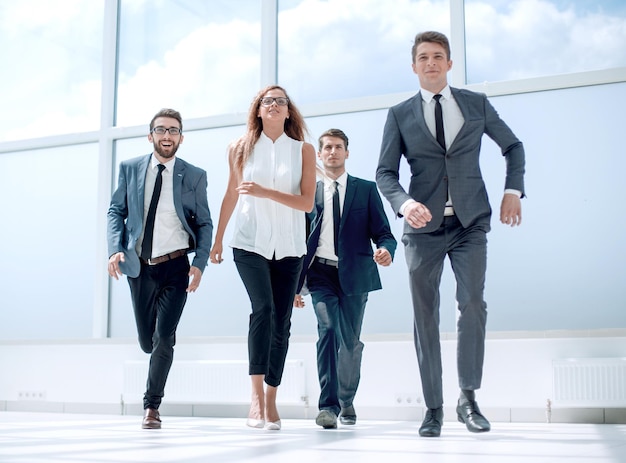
158	214
447	212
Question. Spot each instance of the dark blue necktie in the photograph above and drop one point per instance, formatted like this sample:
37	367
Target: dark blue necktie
441	139
336	216
146	245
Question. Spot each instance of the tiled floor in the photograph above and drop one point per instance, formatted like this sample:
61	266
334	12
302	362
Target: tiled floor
67	438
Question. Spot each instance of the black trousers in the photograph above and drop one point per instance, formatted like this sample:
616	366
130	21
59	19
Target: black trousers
159	294
271	286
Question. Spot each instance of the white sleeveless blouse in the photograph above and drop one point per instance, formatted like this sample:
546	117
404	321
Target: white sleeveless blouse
262	225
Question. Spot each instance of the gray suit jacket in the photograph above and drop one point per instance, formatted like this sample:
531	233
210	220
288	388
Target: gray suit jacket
433	170
125	216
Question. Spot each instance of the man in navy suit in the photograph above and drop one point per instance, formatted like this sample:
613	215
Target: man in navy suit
158	214
447	212
340	270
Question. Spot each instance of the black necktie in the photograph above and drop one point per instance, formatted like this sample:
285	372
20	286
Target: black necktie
441	139
146	246
336	216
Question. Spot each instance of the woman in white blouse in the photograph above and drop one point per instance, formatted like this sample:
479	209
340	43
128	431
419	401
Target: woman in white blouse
272	181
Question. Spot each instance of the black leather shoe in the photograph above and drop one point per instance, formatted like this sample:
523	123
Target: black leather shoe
468	412
326	419
348	416
431	426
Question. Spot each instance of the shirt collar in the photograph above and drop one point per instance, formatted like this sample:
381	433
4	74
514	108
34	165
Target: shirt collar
342	180
267	139
427	95
169	165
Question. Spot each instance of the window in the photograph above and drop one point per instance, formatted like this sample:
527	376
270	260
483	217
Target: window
52	55
535	38
337	49
48	242
200	58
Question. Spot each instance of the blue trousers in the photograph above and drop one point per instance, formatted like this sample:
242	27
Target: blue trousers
339	348
271	286
425	253
159	294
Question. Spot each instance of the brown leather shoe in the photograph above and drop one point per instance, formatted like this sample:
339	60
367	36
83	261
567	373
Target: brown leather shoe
151	419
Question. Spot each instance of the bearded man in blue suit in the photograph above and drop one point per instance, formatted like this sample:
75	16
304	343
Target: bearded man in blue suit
340	270
447	212
158	214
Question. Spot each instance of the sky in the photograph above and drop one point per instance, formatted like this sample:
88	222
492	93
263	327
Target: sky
181	53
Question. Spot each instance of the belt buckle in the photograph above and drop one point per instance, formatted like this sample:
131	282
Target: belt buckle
149	262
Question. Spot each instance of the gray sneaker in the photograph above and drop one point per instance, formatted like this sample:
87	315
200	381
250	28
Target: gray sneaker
326	419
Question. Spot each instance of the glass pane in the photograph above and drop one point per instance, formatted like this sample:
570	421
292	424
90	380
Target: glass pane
338	49
515	40
53	60
202	58
48	244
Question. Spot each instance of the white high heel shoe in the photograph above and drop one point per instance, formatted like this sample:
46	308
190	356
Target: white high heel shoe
272	426
254	423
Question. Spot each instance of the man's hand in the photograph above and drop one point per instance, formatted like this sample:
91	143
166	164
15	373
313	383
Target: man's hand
511	210
382	257
114	265
195	275
417	215
298	301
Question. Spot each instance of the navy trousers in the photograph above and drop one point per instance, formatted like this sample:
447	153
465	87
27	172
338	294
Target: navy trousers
339	348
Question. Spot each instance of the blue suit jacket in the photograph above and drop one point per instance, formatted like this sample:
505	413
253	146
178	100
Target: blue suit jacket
434	170
363	221
125	216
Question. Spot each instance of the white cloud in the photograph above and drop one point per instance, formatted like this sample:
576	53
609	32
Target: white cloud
332	49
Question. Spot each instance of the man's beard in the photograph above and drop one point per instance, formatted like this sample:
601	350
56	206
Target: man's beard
166	154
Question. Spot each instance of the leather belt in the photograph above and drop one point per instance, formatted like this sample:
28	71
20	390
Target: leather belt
165	258
332	263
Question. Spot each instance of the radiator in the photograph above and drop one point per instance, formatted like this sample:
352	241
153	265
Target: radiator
212	381
589	382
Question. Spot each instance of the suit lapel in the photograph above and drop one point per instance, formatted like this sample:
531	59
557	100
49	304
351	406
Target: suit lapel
461	102
417	106
347	200
142	170
177	183
319	205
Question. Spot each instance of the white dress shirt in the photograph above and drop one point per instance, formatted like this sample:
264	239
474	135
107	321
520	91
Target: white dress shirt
326	243
169	233
264	226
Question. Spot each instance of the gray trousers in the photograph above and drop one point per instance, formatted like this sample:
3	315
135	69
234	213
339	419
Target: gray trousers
425	254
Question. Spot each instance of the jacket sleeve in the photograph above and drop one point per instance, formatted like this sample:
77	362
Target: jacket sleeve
117	214
201	223
380	231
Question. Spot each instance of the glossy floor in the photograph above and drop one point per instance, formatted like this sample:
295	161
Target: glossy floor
67	438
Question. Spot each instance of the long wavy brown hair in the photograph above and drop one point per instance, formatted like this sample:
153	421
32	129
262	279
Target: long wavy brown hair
295	127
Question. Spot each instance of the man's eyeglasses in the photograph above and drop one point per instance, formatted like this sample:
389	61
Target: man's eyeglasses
280	101
171	130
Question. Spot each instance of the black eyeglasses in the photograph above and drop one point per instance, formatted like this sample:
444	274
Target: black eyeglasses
171	130
280	100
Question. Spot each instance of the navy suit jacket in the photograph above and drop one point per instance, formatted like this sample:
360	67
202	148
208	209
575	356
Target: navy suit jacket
434	170
125	216
363	221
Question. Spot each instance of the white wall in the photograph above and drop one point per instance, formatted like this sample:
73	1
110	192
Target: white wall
87	376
